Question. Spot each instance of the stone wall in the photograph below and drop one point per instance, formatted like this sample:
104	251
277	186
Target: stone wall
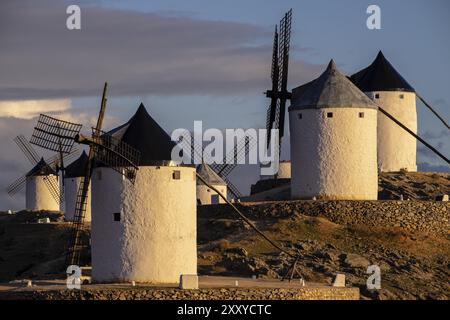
306	293
264	185
418	216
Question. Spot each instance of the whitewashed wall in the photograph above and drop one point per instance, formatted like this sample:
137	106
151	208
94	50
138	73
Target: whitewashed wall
284	171
156	239
204	193
396	147
334	158
71	186
38	195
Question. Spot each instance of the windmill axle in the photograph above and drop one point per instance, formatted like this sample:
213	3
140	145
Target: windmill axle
277	94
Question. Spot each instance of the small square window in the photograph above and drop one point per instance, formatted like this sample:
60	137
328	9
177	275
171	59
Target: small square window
176	175
116	216
402	96
329	114
377	96
361	114
300	116
215	199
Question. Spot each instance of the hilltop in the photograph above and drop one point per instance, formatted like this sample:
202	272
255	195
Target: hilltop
391	185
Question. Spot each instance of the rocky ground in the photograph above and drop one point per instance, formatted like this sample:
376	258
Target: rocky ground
32	250
103	292
413	185
391	186
414	264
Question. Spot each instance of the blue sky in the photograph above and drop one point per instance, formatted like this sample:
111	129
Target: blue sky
205	60
414	36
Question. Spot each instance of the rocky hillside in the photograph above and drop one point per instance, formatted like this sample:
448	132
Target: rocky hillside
413	185
415	264
32	250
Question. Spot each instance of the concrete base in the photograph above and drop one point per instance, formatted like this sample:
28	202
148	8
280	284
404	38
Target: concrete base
339	281
188	281
210	288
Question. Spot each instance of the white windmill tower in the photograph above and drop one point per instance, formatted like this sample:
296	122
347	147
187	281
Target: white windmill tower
73	177
388	89
38	194
42	181
145	232
333	140
205	195
59	135
284	171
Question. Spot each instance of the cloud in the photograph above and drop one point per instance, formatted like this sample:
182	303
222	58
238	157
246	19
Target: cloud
46	67
28	109
436	135
13	163
441	102
425	152
429	167
137	53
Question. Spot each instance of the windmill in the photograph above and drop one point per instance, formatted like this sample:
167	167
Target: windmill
58	135
275	113
73	174
56	162
279	94
223	169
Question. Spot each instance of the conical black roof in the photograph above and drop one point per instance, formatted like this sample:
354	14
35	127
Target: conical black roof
331	89
143	133
41	169
209	175
78	167
380	76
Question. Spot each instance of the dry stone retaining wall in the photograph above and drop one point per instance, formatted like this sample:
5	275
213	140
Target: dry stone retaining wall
418	216
307	293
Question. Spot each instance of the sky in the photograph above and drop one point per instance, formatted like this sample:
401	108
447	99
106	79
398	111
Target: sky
202	60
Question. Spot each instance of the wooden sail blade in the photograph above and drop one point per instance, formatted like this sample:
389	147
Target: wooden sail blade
54	134
75	245
54	190
116	154
285	35
16	186
27	149
232	190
